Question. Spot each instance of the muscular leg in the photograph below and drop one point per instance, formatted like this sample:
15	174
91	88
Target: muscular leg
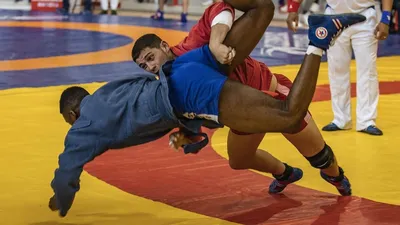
312	146
260	113
243	108
310	142
277	116
249	110
243	154
248	30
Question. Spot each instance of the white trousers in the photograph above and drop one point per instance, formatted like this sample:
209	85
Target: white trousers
114	4
361	39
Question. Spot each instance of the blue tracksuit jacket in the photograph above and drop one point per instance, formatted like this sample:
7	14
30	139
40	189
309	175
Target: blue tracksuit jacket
120	114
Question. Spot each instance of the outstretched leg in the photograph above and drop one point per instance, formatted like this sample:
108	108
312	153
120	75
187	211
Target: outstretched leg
249	110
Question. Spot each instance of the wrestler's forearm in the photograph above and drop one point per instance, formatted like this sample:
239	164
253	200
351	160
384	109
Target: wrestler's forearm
218	34
387	5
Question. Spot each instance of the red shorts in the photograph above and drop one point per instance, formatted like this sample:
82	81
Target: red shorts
282	91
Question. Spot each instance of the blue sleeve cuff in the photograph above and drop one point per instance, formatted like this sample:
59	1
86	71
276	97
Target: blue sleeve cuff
194	148
65	185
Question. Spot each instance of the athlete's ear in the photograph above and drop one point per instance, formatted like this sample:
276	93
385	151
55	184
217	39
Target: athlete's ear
164	46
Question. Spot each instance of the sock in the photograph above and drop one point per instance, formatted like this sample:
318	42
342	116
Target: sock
314	50
286	174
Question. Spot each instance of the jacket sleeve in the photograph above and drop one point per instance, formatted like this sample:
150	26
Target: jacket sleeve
82	145
195	134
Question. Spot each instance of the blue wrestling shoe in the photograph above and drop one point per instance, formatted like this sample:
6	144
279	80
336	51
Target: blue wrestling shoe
159	15
324	29
341	182
184	17
331	127
279	185
372	130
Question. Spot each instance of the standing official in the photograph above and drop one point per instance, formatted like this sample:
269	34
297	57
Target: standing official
363	39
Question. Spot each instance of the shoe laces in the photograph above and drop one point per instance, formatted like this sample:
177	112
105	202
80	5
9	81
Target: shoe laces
333	39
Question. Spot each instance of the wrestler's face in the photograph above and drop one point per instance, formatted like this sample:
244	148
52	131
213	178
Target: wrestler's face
151	59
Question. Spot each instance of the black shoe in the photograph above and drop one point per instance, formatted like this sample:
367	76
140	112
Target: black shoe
103	12
114	12
331	127
372	130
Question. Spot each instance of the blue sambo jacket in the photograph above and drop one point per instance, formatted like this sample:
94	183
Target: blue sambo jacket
120	114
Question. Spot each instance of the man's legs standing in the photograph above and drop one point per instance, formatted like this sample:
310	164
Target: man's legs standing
339	57
364	43
365	47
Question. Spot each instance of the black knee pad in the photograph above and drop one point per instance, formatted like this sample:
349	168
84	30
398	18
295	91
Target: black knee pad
323	159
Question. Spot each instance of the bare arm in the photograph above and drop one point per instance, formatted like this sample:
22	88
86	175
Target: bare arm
220	27
293	15
382	30
387	5
218	33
